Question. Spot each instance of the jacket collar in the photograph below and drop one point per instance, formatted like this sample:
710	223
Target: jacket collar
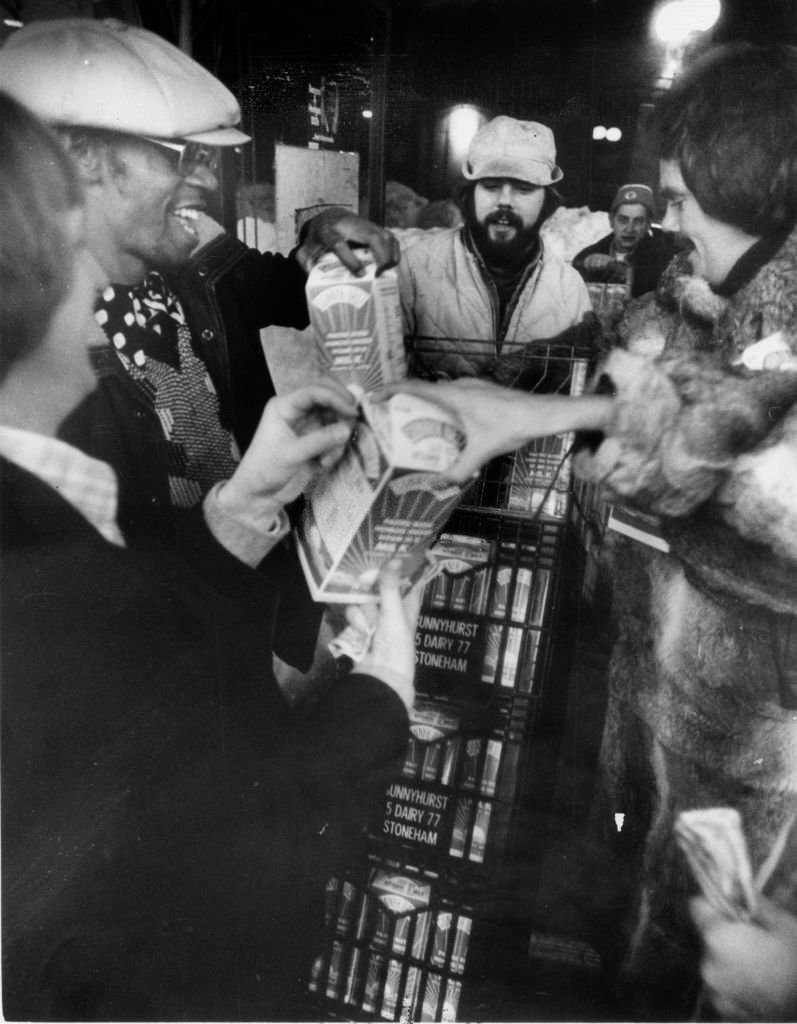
750	262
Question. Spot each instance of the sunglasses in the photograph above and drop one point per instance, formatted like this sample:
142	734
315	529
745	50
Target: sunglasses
188	155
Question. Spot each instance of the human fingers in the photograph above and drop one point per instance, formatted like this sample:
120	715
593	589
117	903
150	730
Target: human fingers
331	456
769	914
348	257
324	443
597	261
703	914
408	386
386	250
328	394
422	388
349	230
390	590
412	605
362	617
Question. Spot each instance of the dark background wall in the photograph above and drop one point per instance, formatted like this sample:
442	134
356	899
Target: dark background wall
568	63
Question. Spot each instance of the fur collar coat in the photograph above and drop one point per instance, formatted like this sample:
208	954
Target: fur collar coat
702	704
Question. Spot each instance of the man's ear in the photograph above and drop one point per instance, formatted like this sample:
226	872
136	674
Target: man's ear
90	158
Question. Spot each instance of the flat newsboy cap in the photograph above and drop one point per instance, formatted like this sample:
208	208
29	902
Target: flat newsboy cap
635	194
507	148
106	74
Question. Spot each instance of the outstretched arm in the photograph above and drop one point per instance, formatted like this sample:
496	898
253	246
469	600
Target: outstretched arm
499	420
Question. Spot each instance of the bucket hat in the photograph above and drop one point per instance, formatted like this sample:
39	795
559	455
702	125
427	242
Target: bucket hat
507	148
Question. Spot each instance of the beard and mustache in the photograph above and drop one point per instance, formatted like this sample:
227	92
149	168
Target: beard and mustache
503	252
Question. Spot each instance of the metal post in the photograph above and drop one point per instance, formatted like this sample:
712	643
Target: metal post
380	60
186	41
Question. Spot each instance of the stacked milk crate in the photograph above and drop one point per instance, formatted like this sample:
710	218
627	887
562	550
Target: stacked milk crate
402	921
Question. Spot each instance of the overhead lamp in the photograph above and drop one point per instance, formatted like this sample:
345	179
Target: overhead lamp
368	114
674	22
463	123
613	135
598	132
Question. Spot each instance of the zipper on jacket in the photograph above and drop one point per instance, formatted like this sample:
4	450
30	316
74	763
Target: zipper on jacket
500	329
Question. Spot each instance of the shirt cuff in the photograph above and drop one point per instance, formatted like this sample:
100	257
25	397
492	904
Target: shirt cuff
247	536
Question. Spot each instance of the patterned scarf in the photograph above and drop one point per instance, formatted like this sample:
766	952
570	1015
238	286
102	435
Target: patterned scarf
148	329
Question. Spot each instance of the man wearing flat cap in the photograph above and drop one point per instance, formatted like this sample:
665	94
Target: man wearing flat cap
635	251
182	380
476	294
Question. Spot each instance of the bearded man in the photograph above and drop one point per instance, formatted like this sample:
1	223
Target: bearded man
475	294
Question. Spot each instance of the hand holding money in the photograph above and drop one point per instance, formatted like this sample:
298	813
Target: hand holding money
713	843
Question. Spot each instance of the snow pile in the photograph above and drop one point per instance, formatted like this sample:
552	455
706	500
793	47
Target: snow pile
570	229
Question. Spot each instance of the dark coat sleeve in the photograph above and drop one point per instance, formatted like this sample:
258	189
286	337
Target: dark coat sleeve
168	820
601	246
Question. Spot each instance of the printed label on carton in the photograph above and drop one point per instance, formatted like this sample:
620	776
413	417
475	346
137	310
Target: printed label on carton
357	322
386	498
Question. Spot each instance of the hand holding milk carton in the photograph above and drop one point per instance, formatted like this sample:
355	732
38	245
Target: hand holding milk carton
389	495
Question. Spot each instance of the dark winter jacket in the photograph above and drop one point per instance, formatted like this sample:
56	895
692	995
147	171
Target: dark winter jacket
228	292
647	261
168	823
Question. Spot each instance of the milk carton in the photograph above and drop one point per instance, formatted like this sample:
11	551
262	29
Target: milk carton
357	323
386	498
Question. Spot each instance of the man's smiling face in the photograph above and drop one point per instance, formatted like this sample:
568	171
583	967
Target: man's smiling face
151	206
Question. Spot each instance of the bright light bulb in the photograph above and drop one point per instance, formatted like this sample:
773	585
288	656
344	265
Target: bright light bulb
706	13
463	123
368	114
598	132
668	22
613	135
675	21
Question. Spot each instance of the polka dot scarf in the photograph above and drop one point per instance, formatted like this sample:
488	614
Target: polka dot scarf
147	327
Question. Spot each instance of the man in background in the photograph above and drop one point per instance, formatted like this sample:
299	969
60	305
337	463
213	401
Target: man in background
635	251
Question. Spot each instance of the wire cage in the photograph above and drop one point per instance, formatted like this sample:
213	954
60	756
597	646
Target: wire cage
535	481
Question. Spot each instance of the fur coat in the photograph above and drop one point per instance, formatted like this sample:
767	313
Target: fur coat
703	678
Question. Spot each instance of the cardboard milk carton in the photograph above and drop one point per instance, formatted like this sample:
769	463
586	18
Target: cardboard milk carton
385	498
357	323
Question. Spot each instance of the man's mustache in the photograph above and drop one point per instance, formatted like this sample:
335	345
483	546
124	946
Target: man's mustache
504	217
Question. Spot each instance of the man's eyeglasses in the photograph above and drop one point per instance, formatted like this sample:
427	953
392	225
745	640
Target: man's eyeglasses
188	155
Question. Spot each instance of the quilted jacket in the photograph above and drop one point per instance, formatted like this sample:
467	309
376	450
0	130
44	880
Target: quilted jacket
450	306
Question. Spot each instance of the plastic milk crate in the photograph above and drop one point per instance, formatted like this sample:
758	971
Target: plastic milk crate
485	617
396	947
448	810
403	917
